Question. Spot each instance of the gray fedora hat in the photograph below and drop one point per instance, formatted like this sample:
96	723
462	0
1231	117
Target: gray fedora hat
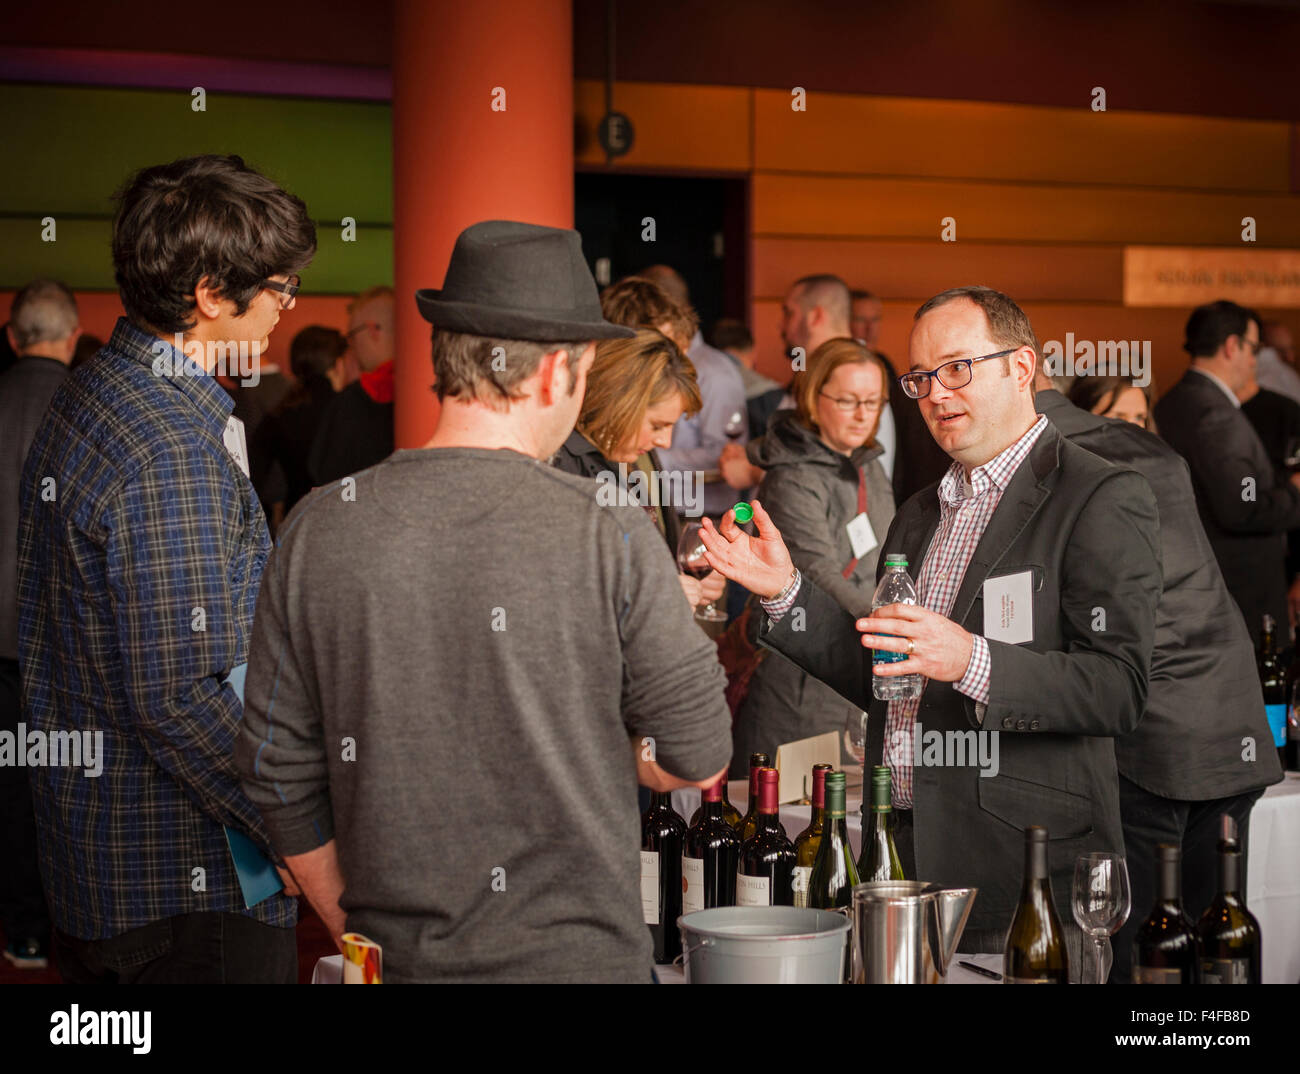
519	281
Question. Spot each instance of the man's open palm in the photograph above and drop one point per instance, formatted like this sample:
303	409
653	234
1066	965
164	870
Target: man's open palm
761	564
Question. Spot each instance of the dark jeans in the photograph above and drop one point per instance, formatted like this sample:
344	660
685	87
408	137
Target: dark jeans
1150	820
22	902
199	948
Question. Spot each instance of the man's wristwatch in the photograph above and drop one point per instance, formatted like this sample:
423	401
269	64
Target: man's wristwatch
789	588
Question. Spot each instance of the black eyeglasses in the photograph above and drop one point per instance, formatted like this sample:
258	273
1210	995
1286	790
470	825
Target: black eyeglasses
288	290
916	385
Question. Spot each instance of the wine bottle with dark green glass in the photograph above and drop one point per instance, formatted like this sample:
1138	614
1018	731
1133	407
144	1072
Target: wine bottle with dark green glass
1165	949
767	857
1229	933
834	876
710	857
879	858
749	821
808	840
662	833
1035	950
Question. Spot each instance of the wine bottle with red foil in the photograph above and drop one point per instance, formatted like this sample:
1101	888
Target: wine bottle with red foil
663	833
1229	933
749	821
808	840
710	856
1035	949
1165	950
834	876
729	812
765	877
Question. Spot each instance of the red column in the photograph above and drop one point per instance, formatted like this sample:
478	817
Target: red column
457	160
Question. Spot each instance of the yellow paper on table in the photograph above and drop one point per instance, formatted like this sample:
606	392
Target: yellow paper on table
795	760
362	960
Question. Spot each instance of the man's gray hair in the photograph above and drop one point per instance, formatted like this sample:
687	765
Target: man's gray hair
831	294
42	312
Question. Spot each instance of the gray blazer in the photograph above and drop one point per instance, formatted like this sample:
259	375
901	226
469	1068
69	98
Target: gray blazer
1087	531
811	492
1203	695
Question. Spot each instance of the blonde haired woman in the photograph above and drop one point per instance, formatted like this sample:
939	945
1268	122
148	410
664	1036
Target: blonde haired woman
828	494
636	390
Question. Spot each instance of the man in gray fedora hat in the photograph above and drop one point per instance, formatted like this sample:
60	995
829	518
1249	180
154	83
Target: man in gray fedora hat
462	664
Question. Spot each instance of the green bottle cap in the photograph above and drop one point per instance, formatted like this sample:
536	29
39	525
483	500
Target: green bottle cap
893	559
881	790
835	794
743	512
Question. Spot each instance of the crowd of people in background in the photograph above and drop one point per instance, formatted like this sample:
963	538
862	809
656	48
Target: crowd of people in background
831	433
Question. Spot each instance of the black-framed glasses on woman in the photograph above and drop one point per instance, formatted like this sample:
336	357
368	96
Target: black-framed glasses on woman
288	290
851	403
952	375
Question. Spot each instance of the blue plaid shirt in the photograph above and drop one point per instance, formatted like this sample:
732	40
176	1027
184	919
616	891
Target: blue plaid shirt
140	549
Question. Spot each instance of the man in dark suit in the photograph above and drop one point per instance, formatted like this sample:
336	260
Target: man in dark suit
1038	576
1203	747
1245	504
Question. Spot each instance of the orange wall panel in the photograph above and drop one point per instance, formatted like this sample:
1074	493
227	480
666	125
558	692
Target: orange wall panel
900	208
976	140
702	127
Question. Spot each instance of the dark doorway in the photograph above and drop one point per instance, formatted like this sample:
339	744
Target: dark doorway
700	229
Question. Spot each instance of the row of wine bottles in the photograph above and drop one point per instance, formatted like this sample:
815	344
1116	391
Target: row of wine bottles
1223	948
724	859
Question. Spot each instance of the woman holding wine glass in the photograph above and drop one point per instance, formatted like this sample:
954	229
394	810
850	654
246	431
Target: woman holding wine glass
636	390
828	494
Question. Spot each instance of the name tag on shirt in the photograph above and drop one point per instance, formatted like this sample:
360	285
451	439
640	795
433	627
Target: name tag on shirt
237	442
861	536
1009	608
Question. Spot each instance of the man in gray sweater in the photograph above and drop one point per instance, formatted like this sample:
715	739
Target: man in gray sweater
462	663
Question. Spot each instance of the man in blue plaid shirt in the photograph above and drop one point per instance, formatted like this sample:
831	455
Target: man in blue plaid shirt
141	546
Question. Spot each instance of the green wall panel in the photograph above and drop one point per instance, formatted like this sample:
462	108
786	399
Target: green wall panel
81	256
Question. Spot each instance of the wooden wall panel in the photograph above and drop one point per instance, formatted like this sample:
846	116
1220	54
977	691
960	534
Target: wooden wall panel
916	270
968	139
913	209
700	127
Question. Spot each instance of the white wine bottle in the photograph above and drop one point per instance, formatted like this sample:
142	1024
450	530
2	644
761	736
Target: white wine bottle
1035	951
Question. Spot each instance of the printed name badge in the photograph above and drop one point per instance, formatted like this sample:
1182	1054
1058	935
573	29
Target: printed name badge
1009	608
861	536
237	443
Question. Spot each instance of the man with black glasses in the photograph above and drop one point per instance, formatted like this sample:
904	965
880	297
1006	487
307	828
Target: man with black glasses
1038	574
140	549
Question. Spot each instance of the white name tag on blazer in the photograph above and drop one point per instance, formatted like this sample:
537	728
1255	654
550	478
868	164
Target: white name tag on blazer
861	536
1009	608
237	442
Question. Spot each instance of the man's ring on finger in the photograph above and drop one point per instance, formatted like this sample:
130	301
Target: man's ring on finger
911	646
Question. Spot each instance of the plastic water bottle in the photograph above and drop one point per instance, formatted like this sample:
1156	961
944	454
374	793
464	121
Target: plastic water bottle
895	588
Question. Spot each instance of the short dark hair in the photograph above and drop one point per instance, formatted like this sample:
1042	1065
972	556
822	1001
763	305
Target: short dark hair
1008	324
731	335
859	296
636	302
490	369
203	216
1210	325
315	349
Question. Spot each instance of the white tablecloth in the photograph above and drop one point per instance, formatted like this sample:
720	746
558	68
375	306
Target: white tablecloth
1273	878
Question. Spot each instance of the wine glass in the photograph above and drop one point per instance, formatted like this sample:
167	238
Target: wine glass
734	429
692	560
1101	900
855	739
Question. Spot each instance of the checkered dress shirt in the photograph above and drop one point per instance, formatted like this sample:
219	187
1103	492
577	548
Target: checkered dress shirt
140	549
964	512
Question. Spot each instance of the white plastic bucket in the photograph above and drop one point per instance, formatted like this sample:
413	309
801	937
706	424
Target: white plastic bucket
764	945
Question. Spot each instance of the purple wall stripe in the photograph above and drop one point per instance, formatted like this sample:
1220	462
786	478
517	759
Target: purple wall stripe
167	70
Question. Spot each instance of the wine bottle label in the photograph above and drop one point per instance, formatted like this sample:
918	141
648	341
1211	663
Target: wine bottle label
799	884
1225	971
692	884
1157	975
650	886
753	890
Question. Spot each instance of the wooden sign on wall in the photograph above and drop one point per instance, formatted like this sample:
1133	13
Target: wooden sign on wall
1192	275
